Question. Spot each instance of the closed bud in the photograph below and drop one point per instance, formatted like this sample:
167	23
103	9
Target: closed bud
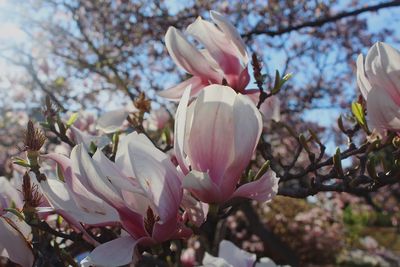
337	163
33	139
30	193
142	103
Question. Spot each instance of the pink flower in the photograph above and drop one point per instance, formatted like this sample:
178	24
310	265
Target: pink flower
143	186
224	56
14	233
379	82
215	137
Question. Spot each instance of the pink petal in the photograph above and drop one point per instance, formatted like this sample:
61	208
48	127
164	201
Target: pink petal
382	66
201	185
362	80
61	199
230	31
383	112
196	211
210	139
23	228
102	185
221	49
79	191
188	57
263	189
154	171
117	252
13	245
175	93
247	131
180	131
86	169
128	187
165	230
9	194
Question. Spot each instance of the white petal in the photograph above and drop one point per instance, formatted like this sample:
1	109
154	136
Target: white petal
117	252
362	80
195	210
10	194
175	93
202	186
14	246
112	121
210	139
86	139
128	187
180	131
266	262
383	113
248	126
153	170
234	255
85	167
188	57
79	190
382	66
61	199
263	189
210	261
230	31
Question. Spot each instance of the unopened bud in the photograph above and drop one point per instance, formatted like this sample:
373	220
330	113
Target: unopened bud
337	163
33	139
142	103
30	193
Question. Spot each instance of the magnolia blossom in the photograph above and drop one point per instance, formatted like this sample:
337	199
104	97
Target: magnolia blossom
143	186
379	82
224	56
230	255
14	233
215	137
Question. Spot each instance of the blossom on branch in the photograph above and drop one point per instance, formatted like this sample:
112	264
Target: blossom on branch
224	57
215	138
143	186
379	82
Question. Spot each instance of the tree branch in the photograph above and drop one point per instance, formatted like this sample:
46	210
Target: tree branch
321	21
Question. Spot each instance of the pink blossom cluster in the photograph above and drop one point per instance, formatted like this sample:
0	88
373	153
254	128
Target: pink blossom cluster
156	198
216	132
